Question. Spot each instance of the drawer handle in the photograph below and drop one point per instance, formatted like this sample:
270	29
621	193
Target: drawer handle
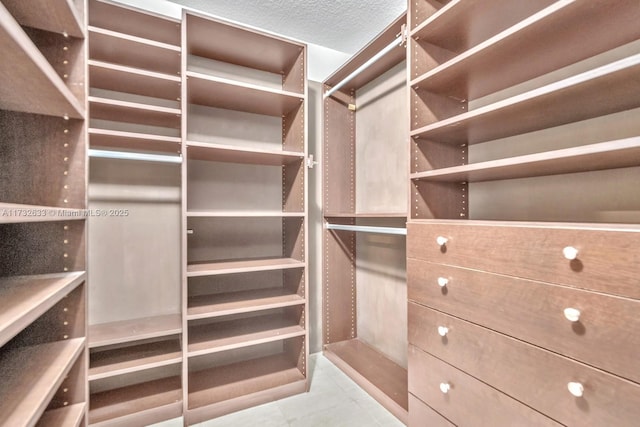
445	387
572	314
576	389
570	253
441	240
443	331
443	281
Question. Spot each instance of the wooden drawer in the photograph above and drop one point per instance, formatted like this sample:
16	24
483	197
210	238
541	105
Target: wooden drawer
607	260
530	374
469	402
421	415
607	334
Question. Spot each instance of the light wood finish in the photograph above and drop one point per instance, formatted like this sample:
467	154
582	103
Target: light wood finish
68	416
228	267
468	399
58	16
365	215
233	154
131	140
119	78
31	376
23	299
420	413
16	213
133	112
133	330
532	375
384	380
224	304
43	92
243	214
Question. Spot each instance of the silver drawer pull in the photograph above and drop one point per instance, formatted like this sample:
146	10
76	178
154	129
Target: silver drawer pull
445	387
570	253
443	281
441	240
572	314
576	389
443	331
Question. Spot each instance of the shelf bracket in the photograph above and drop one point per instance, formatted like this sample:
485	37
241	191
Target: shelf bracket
311	162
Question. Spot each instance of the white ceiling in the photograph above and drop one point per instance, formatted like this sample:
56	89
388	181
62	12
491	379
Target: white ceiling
342	25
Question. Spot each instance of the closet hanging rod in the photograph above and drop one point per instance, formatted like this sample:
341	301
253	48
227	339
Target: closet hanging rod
126	155
368	229
399	41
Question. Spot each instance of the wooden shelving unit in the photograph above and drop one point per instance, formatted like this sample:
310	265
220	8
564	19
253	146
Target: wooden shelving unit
364	190
56	16
133	330
69	416
245	210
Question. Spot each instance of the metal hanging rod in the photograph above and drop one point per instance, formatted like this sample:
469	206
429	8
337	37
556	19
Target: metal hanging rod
368	229
399	41
125	155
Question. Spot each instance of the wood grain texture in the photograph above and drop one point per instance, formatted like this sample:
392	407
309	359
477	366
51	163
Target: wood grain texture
421	414
530	374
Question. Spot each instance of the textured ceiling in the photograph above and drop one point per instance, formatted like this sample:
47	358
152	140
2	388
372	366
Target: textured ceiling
343	25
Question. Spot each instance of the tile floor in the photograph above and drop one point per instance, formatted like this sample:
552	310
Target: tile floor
333	401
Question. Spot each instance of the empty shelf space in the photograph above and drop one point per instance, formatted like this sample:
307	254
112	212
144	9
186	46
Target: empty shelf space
603	90
104	75
104	334
241	266
124	360
129	403
135	112
234	154
240	379
68	416
30	378
365	215
243	214
228	335
375	373
11	213
605	155
25	298
58	16
114	47
133	140
219	92
29	82
204	306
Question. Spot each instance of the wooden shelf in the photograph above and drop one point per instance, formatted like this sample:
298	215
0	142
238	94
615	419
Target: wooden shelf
241	266
383	379
114	47
604	155
57	16
11	213
365	215
241	379
243	214
211	91
133	330
23	299
232	154
604	90
133	112
132	140
228	335
68	416
119	78
224	304
139	404
30	378
29	82
125	360
489	67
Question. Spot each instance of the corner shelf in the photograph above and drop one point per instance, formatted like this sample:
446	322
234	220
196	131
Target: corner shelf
120	78
105	334
233	154
224	304
12	213
68	416
31	376
112	109
58	16
242	266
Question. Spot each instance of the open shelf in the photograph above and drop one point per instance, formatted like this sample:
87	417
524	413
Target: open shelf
241	266
243	214
114	47
241	379
134	330
23	299
233	154
135	112
31	377
218	92
224	304
120	78
139	404
383	379
68	416
604	90
488	66
125	360
11	213
133	140
604	155
29	82
365	215
58	16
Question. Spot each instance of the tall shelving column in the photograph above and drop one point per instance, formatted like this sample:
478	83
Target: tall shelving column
244	218
42	219
135	334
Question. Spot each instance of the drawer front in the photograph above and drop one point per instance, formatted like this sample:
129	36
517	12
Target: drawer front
421	415
468	402
606	334
607	261
532	375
